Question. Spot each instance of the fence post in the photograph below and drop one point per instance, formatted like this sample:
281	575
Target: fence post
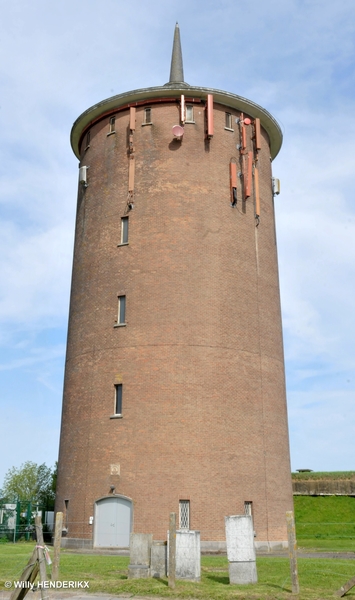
28	576
28	520
292	547
57	541
17	521
40	554
172	550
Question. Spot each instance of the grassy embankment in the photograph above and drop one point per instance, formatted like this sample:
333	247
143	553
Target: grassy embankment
325	523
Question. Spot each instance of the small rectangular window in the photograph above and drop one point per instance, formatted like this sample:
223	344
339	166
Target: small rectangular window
228	122
121	317
112	124
189	113
124	230
88	139
147	116
184	514
248	508
118	399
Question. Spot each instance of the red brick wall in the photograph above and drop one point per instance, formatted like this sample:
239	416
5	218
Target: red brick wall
201	356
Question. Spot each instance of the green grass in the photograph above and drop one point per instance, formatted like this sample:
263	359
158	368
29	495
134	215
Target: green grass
325	522
324	545
322	523
319	578
324	475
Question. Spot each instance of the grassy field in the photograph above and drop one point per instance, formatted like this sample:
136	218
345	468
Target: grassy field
322	523
319	578
325	522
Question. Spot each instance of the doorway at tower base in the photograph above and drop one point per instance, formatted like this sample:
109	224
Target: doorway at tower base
113	520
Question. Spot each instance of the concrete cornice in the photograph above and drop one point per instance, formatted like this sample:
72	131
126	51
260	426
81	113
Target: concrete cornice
227	99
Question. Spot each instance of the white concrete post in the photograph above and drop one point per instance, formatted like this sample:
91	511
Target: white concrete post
188	555
139	551
240	549
158	559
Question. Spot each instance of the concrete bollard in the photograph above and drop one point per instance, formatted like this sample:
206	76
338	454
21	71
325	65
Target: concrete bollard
139	551
188	555
240	549
158	559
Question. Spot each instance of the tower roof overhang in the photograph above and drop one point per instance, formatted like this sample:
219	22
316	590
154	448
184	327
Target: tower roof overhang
110	105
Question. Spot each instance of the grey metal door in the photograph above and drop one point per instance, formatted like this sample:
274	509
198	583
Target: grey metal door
113	522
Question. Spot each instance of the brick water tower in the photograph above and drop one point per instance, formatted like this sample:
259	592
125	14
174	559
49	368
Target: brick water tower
174	393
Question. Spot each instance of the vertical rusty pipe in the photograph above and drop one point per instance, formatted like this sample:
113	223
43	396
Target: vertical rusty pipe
131	174
257	134
182	109
247	186
132	118
257	194
233	174
209	115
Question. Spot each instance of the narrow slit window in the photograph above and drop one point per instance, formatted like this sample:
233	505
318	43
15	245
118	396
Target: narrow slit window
189	113
88	136
184	514
228	121
147	116
118	399
112	124
66	509
124	230
121	317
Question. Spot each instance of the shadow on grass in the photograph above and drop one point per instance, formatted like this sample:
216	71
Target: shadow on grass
219	579
278	587
224	580
163	581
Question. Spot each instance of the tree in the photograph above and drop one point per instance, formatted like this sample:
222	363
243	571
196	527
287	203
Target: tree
30	482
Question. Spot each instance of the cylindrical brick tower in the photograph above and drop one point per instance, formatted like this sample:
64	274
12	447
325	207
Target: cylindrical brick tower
174	393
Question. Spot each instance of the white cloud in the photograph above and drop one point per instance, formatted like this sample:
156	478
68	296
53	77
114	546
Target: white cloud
327	418
34	285
37	438
36	356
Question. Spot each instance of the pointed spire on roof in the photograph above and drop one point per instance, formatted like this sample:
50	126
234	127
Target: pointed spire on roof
176	69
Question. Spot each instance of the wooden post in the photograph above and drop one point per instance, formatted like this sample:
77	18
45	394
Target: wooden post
292	547
57	541
346	587
172	550
40	554
28	575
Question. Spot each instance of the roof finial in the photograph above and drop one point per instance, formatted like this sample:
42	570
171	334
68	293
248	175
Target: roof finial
176	70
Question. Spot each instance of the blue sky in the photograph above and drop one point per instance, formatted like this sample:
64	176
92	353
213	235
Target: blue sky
296	59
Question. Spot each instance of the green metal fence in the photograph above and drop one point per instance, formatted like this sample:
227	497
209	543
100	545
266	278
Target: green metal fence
17	520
